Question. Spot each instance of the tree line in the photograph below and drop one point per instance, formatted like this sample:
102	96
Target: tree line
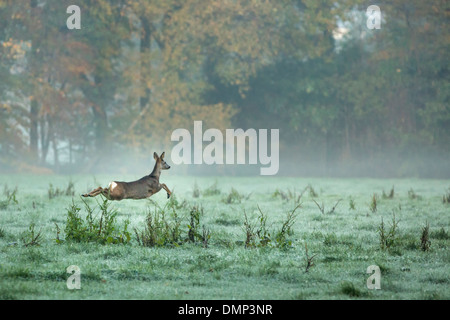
347	99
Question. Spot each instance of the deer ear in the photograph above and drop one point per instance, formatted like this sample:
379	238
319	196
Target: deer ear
155	156
162	155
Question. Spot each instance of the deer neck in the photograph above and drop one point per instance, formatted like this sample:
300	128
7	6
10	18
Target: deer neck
156	171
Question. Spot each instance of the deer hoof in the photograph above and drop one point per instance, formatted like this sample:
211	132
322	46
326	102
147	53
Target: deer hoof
168	195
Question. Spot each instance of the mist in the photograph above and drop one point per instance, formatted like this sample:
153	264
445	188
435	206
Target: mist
357	98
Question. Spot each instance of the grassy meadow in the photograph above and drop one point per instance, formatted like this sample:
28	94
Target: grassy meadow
254	238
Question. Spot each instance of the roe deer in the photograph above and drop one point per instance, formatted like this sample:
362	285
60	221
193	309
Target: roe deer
139	189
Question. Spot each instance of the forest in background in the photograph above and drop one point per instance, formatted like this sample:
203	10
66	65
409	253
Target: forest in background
348	100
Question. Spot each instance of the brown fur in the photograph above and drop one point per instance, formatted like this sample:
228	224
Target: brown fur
139	189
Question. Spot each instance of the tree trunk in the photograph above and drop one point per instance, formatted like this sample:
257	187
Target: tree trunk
101	126
34	115
70	152
55	151
145	61
45	136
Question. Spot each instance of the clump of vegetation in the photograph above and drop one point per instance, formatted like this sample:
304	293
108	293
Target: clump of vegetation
262	232
440	235
8	193
349	289
173	203
100	226
446	197
250	234
286	229
194	234
159	229
58	232
289	195
330	239
312	192
309	260
163	228
351	204
373	203
196	191
281	194
194	223
322	207
412	195
56	192
334	207
425	243
257	234
31	237
235	197
390	195
206	235
10	198
388	237
212	190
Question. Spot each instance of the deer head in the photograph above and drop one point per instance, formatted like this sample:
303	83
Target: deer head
160	159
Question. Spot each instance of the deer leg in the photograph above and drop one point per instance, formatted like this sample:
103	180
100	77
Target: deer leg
106	192
167	189
91	194
94	192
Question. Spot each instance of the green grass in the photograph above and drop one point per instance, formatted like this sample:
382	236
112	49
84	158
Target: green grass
344	243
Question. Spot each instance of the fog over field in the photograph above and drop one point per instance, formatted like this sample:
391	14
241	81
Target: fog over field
353	90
